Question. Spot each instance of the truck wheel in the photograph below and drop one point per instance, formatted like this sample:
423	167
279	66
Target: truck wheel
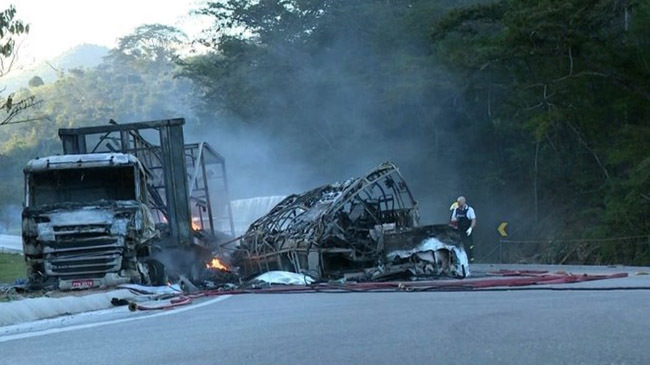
157	274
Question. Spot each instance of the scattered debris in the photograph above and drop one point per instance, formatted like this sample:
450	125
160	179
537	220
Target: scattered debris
431	257
152	290
119	302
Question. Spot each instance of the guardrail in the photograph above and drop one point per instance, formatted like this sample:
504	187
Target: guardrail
576	251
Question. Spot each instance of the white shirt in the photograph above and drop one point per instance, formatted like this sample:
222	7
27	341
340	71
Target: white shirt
470	214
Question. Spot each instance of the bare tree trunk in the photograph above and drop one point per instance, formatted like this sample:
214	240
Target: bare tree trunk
589	149
535	182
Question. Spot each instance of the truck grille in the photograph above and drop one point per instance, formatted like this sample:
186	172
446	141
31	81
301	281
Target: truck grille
83	252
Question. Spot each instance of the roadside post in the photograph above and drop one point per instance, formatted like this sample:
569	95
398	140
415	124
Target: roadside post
502	232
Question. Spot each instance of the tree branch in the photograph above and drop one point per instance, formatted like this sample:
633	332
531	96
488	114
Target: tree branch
13	109
34	119
586	146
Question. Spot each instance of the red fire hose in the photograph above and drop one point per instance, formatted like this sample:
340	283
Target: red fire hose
511	280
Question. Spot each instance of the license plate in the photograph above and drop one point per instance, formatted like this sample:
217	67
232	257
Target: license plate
79	284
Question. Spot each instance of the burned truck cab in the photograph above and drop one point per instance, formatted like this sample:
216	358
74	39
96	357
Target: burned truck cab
85	221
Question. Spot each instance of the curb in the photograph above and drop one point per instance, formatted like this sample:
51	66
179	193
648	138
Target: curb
32	309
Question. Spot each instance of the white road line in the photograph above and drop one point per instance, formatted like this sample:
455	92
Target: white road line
105	323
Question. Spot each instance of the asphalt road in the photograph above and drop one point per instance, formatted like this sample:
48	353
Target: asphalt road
513	327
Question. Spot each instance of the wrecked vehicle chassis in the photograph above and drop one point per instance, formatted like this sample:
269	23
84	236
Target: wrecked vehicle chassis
367	226
124	203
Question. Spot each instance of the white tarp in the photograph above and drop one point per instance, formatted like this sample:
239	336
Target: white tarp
284	277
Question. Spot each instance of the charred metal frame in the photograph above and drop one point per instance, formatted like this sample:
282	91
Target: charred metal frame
177	176
340	220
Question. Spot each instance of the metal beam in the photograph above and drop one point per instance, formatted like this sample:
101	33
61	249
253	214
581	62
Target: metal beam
121	127
175	177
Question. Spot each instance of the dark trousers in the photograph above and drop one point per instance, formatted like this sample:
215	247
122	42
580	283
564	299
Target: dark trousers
468	245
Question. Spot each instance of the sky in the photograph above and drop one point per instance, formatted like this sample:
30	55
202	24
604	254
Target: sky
56	26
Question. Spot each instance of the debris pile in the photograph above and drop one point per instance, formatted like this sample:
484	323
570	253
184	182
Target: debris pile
366	228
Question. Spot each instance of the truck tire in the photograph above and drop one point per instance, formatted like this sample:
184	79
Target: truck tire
157	273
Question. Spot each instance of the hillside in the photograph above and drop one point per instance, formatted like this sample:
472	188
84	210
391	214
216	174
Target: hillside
84	55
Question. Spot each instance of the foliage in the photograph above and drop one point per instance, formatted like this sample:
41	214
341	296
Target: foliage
10	29
12	267
551	96
152	42
538	111
336	86
126	87
36	81
568	80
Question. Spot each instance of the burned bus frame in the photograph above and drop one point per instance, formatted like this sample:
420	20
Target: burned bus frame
331	229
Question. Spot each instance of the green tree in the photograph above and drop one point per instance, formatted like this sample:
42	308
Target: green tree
10	30
36	81
563	87
127	87
152	42
343	84
537	109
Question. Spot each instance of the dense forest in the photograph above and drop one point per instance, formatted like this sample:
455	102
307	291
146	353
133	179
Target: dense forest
536	111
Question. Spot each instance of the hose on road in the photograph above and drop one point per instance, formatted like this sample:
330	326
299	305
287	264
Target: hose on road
511	281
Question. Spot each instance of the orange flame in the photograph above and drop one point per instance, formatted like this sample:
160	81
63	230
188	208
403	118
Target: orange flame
216	264
197	225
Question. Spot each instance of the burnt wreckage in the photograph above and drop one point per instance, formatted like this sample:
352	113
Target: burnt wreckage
124	203
367	227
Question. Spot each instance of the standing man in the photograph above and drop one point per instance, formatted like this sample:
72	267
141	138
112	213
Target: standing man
465	220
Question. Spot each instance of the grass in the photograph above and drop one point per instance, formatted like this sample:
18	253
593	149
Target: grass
12	267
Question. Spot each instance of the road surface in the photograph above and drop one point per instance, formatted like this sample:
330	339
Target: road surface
504	327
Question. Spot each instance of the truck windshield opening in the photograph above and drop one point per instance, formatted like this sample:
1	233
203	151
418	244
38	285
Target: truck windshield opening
82	185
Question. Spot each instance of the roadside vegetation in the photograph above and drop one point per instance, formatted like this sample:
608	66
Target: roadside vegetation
12	267
538	111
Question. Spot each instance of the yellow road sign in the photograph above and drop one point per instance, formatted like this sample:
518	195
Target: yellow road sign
502	229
